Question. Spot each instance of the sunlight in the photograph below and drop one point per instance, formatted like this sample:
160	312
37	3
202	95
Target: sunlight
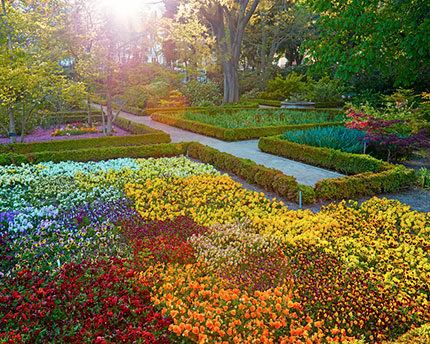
127	9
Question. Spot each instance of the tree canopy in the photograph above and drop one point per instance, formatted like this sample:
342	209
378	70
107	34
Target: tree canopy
390	37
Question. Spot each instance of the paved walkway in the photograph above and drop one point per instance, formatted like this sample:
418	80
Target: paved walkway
305	174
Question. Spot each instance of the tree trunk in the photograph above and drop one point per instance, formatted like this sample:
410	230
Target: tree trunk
108	108
88	111
229	45
12	126
231	83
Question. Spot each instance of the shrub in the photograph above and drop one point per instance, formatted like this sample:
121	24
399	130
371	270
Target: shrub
382	135
284	88
341	138
202	91
327	90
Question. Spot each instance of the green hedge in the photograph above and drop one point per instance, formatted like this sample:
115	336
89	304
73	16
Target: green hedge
269	179
96	154
231	134
207	109
328	158
329	105
369	175
75	144
267	102
365	184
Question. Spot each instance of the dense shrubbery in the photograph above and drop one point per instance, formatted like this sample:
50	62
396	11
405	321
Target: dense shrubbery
203	93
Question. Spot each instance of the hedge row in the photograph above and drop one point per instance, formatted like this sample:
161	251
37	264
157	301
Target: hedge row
232	134
205	109
369	175
267	102
96	154
75	144
268	178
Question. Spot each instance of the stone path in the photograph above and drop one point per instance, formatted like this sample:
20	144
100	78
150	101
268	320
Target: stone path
305	174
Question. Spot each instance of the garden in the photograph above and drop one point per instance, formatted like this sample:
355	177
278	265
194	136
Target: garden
111	233
169	250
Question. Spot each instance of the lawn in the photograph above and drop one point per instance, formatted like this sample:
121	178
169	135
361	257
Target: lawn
171	251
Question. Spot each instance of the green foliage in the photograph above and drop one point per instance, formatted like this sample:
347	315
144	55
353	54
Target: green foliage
321	156
96	154
327	90
424	178
389	38
369	175
97	142
267	178
284	88
267	102
341	138
203	93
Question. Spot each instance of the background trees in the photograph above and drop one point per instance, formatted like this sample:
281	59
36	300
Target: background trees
389	38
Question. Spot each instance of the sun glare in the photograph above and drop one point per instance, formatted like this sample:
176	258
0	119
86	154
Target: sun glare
126	9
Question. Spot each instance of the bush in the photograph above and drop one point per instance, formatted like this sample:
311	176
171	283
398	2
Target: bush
95	154
97	142
327	90
324	157
371	176
341	138
202	91
284	88
267	178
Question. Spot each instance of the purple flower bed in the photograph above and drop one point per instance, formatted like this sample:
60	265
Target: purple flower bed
44	135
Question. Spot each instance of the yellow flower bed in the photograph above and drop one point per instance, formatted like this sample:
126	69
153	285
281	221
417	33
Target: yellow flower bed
383	238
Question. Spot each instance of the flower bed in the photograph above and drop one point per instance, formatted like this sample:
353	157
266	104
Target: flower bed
45	135
260	118
170	251
244	133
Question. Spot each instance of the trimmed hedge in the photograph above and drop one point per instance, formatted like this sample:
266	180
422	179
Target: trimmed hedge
268	178
369	175
329	104
365	184
96	154
328	158
136	128
267	102
208	109
96	142
232	134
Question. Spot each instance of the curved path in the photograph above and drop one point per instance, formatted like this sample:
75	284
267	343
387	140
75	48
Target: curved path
305	174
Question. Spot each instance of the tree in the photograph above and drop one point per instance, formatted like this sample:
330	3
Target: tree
228	20
29	73
387	37
276	29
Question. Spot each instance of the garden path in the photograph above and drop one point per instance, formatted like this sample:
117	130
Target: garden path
305	174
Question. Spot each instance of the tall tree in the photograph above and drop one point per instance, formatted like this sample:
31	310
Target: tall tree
29	72
386	36
228	20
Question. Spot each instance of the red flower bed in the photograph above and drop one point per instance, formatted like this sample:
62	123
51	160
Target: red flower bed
87	303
